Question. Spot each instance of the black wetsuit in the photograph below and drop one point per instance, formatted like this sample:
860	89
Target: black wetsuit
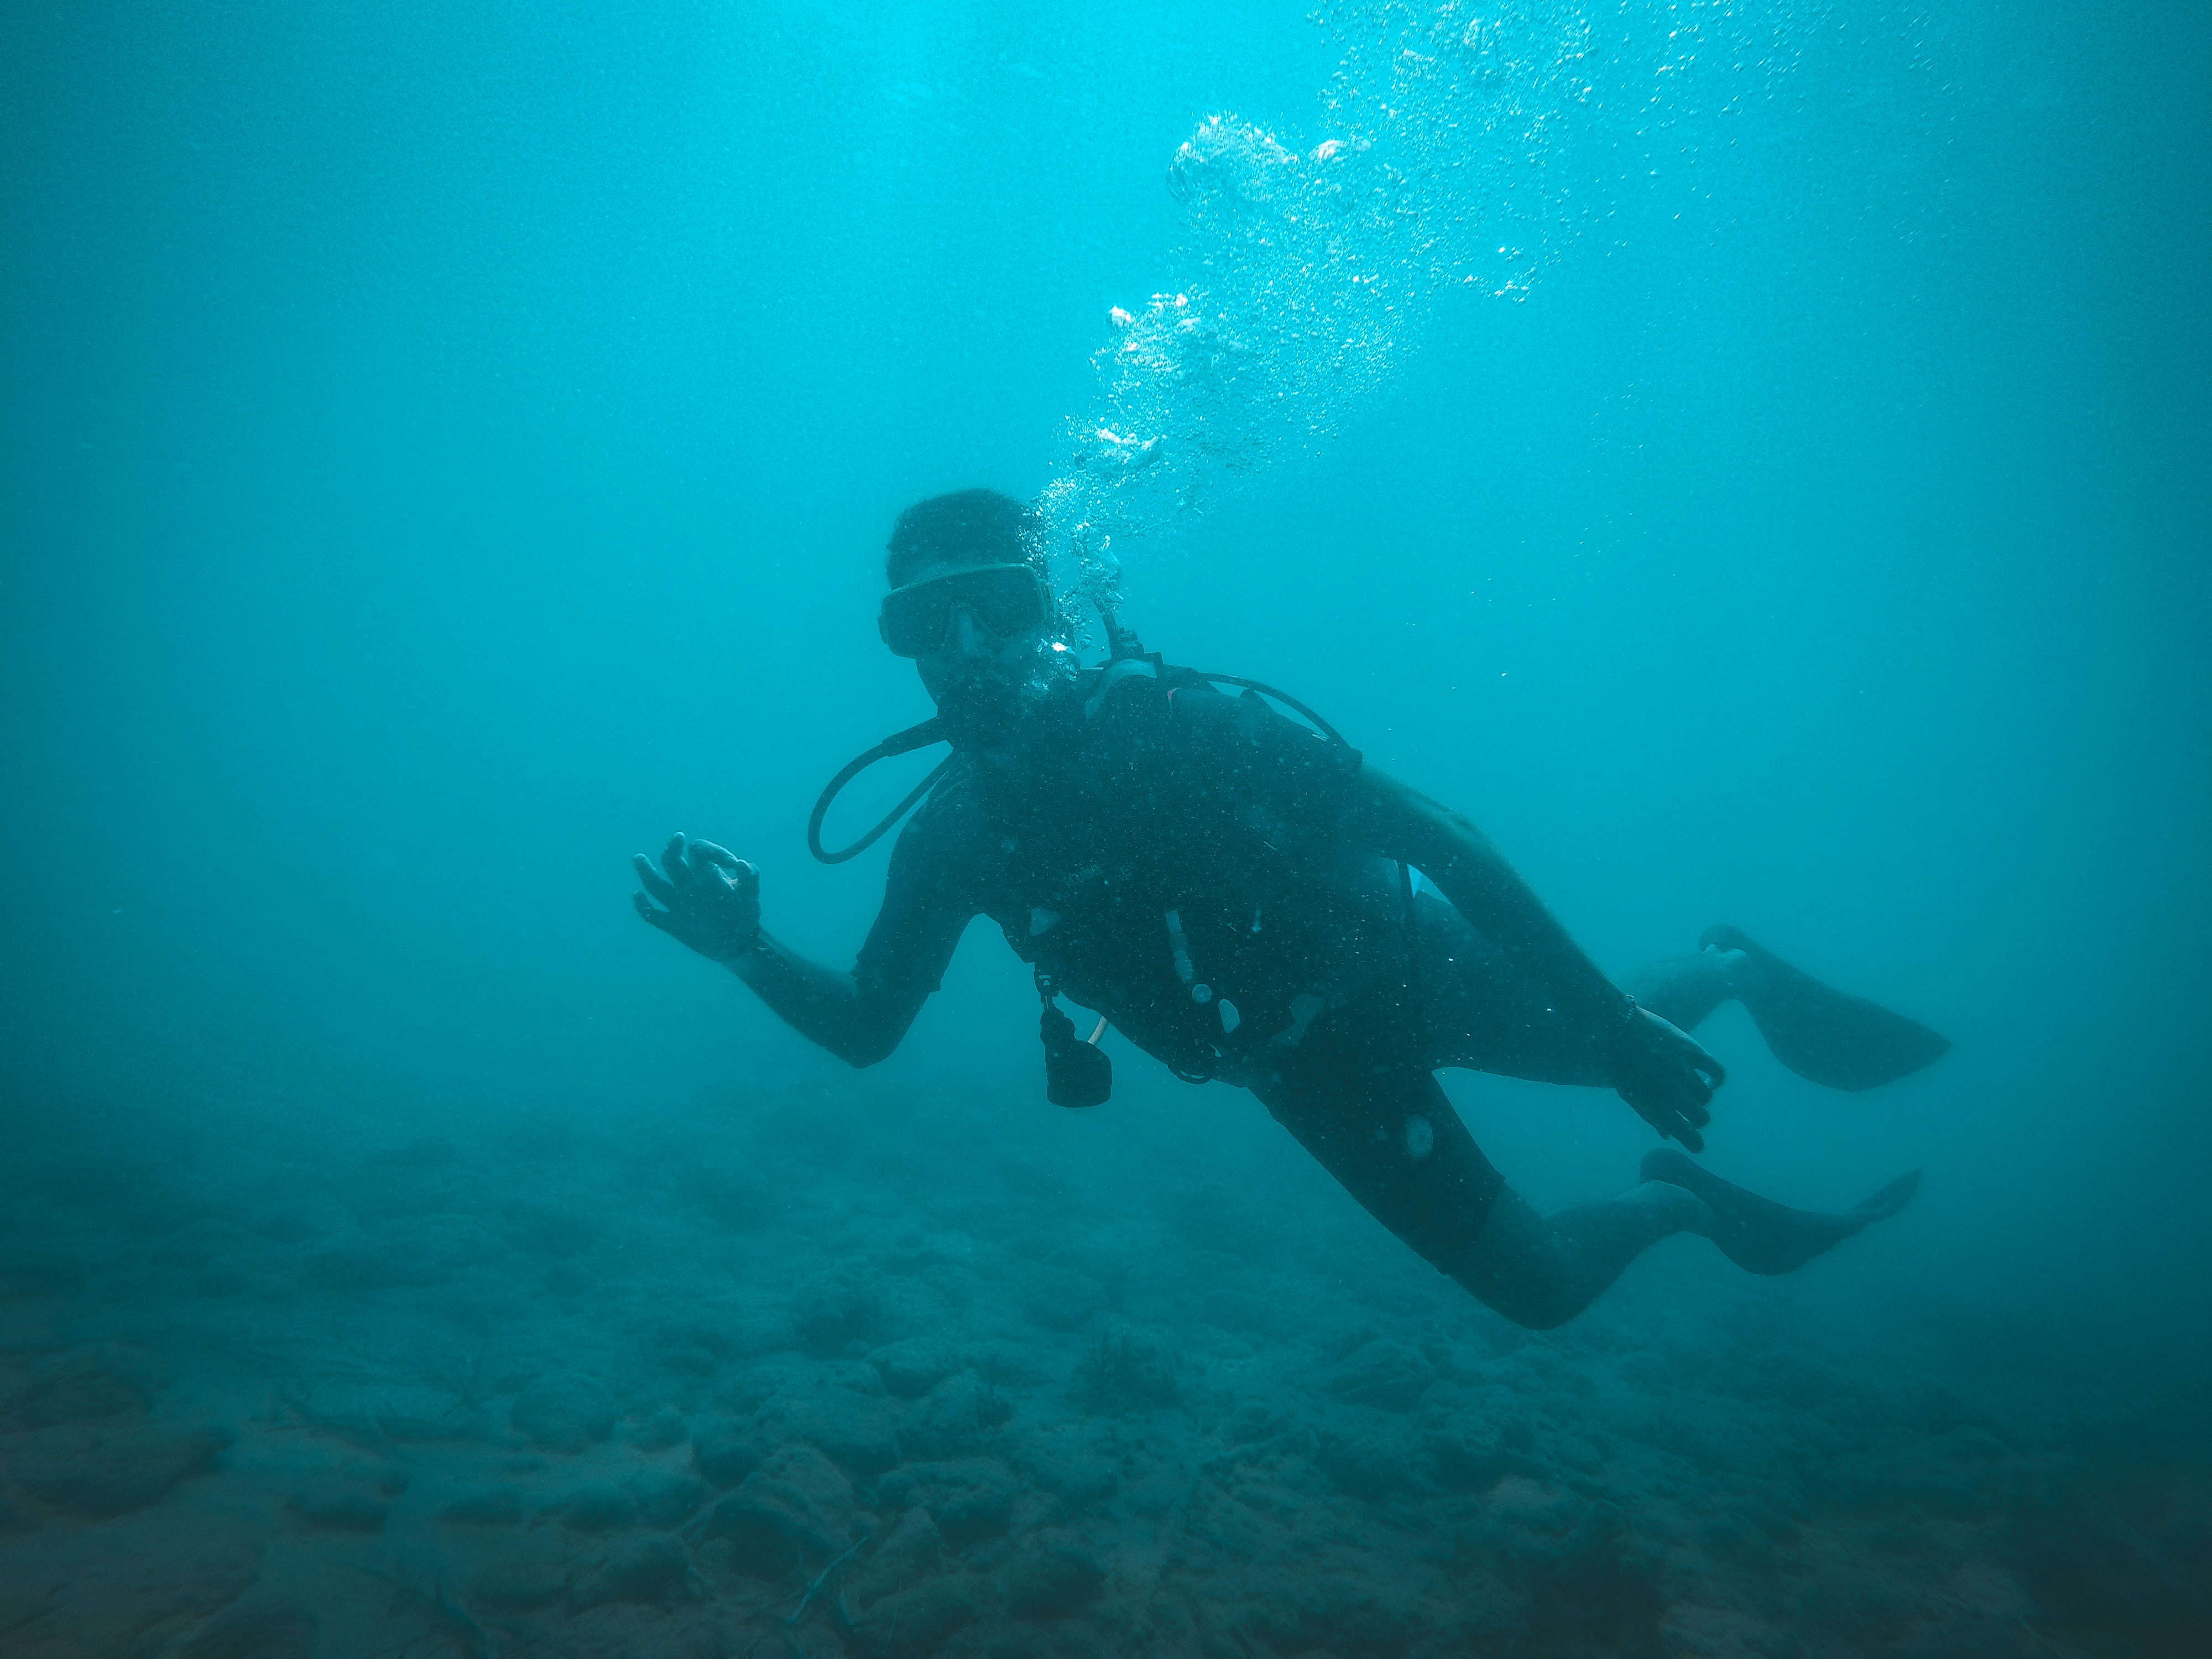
1182	861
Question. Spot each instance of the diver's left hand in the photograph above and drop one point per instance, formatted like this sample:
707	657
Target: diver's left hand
1665	1075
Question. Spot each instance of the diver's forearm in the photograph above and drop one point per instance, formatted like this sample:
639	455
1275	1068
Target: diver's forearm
821	1004
1489	892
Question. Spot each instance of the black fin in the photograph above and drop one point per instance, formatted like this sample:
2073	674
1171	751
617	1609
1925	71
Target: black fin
1821	1034
1762	1236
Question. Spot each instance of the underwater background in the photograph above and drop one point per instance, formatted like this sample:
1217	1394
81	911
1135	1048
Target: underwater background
1751	457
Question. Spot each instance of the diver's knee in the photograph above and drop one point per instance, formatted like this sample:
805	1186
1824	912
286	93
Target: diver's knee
1516	1268
1542	1310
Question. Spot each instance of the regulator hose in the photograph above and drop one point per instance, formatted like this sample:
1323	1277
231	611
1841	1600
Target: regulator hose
932	731
899	742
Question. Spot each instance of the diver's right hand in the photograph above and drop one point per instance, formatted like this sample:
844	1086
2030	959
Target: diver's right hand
712	895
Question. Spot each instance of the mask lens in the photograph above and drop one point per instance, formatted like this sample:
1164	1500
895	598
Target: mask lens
913	619
1007	599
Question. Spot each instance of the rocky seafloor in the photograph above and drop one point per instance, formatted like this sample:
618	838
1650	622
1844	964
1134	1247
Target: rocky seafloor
826	1369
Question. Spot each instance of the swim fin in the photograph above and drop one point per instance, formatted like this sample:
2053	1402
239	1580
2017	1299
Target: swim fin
1821	1034
1762	1236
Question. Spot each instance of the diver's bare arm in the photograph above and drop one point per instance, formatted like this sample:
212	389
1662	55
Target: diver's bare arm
709	899
823	1005
1489	892
1659	1070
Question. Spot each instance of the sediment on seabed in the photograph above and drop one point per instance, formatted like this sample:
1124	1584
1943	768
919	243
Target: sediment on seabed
776	1375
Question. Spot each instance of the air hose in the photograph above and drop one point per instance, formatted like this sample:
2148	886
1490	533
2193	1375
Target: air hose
899	742
1123	644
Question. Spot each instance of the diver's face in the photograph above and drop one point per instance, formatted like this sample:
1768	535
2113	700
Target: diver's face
970	655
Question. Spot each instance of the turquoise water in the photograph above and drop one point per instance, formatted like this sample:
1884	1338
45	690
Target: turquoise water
1751	459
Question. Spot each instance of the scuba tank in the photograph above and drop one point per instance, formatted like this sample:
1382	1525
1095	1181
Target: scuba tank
1077	1073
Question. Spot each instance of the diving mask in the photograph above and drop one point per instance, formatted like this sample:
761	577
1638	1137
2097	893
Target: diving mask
1005	598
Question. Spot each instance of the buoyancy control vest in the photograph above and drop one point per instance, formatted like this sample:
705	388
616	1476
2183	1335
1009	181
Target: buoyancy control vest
1144	866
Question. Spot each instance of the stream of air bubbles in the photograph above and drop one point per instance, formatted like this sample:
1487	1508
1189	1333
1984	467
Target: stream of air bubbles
1306	275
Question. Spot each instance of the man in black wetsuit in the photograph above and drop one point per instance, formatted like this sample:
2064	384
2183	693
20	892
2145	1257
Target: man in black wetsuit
1231	891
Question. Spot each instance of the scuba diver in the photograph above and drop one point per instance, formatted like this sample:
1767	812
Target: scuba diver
1234	892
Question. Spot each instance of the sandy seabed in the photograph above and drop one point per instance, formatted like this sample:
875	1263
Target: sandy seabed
824	1369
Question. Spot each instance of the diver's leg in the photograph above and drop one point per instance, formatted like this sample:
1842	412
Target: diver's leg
1540	1270
1390	1135
1387	1132
1481	1009
1683	990
1821	1033
1761	1236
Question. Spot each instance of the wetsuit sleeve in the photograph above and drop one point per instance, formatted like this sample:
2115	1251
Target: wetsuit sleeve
926	907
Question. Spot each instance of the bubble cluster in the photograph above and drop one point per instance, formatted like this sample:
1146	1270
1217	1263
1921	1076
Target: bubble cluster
1309	275
1299	302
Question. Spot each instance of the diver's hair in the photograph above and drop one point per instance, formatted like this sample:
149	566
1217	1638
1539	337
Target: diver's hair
969	527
